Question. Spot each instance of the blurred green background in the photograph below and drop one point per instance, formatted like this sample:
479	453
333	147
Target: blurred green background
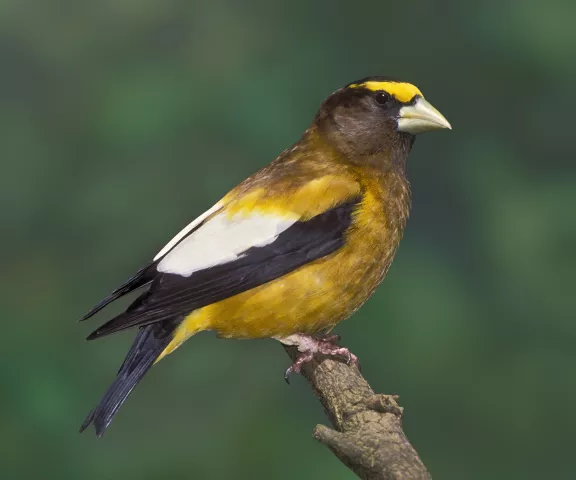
121	120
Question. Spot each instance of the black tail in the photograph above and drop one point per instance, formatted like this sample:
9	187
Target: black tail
148	345
143	277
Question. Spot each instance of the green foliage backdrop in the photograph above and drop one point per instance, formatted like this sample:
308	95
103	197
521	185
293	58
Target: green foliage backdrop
121	120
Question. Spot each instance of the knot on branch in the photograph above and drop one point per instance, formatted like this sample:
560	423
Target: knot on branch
385	404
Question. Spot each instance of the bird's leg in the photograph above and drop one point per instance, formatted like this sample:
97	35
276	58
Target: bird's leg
309	347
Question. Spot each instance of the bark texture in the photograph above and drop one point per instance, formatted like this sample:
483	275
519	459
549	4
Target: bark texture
367	435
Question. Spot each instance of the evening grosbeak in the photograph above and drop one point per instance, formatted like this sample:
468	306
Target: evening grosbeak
293	249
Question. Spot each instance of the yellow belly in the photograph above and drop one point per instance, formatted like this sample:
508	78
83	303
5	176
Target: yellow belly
311	299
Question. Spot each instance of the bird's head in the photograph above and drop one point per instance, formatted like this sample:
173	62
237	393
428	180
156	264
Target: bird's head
375	114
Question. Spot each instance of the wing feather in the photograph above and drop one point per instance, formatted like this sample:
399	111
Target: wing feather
142	278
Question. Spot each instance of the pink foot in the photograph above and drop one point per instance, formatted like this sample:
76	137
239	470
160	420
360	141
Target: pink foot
310	347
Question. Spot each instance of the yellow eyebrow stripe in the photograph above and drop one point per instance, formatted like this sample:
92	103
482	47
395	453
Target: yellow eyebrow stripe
403	92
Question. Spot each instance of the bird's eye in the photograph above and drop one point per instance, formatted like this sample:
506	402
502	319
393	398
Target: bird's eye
382	98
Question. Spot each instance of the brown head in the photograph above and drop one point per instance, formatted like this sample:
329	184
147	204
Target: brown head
376	116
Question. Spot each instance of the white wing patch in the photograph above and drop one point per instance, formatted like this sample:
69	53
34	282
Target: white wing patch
185	231
221	240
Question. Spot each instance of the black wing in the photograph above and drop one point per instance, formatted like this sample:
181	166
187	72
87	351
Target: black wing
173	295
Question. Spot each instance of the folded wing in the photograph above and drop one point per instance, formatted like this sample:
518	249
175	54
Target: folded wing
226	256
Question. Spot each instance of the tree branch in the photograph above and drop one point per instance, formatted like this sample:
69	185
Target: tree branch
367	436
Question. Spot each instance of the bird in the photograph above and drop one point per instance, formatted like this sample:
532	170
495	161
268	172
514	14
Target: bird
292	250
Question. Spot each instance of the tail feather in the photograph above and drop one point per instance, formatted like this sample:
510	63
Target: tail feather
150	342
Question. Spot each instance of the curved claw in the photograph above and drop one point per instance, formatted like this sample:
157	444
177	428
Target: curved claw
296	367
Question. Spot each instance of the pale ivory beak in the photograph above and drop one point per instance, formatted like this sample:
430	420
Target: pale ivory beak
421	117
